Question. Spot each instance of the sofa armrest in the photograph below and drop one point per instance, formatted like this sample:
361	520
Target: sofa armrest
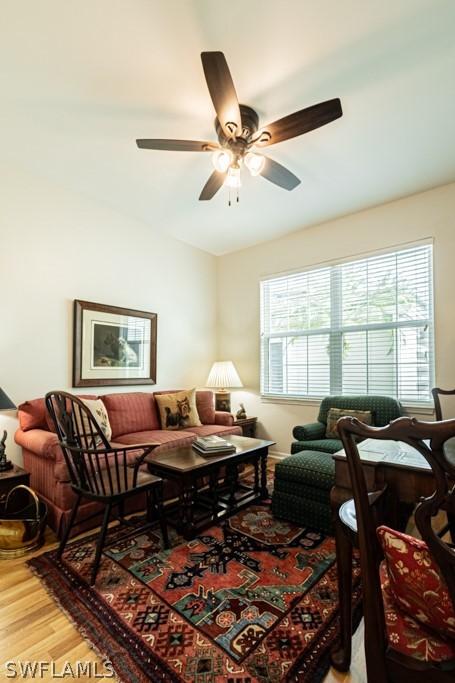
38	441
309	432
223	418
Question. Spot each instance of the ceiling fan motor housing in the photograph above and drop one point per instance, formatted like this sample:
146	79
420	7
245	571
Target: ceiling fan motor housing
250	124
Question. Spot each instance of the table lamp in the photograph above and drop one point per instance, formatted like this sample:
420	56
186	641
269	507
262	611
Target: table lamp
5	404
223	376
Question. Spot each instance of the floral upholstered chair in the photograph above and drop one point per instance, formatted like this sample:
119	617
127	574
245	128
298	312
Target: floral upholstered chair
408	583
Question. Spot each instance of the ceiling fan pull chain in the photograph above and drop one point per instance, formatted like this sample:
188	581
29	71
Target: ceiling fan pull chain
229	202
238	196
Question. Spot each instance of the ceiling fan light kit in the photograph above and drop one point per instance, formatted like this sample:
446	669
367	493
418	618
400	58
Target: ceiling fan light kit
233	177
255	163
222	159
238	132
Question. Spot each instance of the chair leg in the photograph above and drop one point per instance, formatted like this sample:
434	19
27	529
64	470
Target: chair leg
341	654
100	544
69	526
157	493
451	523
149	503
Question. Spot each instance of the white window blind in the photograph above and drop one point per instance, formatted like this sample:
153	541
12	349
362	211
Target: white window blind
362	327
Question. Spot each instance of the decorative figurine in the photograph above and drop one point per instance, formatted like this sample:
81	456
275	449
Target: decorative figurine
4	463
241	413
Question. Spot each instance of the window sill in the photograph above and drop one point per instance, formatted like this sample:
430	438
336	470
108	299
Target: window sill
291	400
408	408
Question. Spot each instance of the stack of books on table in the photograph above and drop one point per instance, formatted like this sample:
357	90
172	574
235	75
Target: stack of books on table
213	445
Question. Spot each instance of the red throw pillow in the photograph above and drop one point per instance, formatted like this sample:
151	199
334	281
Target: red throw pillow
205	403
416	582
32	414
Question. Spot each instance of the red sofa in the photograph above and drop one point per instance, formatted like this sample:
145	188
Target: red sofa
134	419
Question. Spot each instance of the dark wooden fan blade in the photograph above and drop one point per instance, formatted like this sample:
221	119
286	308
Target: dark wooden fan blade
222	91
302	122
178	145
279	175
212	185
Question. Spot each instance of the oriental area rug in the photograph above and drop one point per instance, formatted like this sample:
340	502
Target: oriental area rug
251	601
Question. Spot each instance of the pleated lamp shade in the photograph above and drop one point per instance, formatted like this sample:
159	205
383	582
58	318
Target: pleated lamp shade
223	375
5	401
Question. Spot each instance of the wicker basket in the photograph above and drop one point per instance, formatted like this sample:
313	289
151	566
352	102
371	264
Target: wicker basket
21	527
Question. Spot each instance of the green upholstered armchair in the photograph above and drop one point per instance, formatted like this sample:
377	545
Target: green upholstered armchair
303	480
311	437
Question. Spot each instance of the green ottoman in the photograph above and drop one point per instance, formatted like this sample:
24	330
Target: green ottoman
302	489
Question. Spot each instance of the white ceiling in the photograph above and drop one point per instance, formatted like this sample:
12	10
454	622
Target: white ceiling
82	79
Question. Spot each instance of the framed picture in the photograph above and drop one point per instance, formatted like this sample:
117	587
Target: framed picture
113	345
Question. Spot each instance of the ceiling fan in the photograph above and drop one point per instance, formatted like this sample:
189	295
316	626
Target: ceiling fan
237	128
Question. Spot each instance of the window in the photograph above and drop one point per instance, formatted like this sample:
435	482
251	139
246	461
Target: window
362	327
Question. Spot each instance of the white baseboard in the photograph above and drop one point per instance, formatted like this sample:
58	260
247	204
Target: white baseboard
279	455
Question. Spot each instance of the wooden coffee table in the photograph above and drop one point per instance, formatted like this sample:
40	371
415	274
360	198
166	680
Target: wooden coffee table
203	499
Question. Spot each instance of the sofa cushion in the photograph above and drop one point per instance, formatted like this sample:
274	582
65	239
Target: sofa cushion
205	402
101	417
32	414
310	467
166	439
383	408
47	463
416	582
323	445
131	412
208	430
335	414
178	410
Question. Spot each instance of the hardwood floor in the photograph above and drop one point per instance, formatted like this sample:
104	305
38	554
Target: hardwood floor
32	628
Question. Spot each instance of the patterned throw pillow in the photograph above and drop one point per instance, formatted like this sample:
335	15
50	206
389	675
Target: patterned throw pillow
178	410
334	415
416	582
99	412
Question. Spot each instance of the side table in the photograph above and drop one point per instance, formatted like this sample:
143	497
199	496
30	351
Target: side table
248	426
11	478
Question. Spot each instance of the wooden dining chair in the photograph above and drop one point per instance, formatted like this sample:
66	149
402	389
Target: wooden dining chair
98	471
408	584
437	392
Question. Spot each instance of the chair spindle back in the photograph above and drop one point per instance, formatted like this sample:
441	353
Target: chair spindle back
94	466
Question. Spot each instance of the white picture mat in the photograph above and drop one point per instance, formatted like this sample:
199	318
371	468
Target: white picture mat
141	325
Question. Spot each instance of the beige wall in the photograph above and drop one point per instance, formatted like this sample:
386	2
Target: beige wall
428	214
56	246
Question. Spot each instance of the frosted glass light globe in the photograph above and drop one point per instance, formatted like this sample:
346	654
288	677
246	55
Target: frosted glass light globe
221	160
254	163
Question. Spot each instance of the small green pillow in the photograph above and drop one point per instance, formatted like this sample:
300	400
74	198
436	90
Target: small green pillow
334	415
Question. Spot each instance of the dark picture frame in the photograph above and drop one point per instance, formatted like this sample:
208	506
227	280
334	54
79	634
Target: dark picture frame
113	346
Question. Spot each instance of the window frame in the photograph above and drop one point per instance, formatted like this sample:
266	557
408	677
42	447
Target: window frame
338	329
